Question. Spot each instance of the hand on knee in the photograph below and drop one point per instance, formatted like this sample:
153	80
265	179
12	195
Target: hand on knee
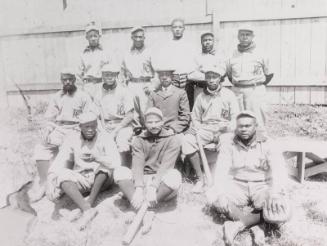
222	204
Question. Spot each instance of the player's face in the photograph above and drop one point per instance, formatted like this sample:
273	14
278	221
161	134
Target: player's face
207	43
68	82
213	80
138	39
245	127
165	78
93	37
89	129
245	37
177	29
153	124
109	78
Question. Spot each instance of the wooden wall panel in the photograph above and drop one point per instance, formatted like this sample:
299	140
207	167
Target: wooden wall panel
288	52
287	95
302	95
273	94
317	95
297	47
302	49
318	47
273	47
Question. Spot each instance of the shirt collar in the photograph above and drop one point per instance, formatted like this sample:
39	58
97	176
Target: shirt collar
84	140
212	93
134	49
66	93
257	138
166	88
88	48
163	133
212	52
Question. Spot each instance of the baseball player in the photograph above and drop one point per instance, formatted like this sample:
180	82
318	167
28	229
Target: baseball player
92	59
249	72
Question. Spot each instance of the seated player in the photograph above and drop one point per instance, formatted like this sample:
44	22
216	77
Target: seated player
251	172
85	163
115	106
213	114
172	101
153	178
61	119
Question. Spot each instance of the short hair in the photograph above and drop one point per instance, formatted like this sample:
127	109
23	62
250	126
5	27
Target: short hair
178	20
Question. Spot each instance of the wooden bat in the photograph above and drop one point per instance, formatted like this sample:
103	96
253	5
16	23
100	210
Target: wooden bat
133	228
204	160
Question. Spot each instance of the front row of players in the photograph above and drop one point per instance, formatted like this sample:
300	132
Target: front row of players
250	169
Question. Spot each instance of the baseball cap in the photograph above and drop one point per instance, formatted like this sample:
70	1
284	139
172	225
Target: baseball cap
153	111
111	67
87	117
93	26
163	70
246	113
246	27
68	70
215	68
137	28
207	33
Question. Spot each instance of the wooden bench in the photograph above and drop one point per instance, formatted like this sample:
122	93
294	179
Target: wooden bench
310	156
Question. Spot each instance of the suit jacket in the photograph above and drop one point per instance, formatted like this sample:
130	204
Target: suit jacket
174	106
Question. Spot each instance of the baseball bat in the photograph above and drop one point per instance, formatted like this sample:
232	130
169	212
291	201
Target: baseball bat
133	228
204	160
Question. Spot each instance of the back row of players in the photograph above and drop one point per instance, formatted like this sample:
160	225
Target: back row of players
125	109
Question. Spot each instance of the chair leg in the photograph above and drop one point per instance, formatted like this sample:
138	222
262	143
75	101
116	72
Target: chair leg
301	166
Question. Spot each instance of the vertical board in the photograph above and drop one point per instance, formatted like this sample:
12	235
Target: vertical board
273	94
317	95
302	95
288	51
287	95
273	48
318	47
302	49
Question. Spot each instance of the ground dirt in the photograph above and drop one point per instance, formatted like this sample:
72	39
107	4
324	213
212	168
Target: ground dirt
187	221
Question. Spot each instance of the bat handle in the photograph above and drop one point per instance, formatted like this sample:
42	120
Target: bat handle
132	230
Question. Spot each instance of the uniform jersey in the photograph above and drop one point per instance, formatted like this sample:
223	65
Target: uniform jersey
137	63
92	62
260	160
213	111
65	107
114	103
202	61
248	67
179	54
76	153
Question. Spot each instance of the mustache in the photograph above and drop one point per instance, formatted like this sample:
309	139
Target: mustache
69	89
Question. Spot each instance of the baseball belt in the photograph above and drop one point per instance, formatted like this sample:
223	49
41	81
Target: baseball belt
248	85
252	181
141	79
92	80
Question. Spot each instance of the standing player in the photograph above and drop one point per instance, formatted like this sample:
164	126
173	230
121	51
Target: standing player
92	59
249	72
137	71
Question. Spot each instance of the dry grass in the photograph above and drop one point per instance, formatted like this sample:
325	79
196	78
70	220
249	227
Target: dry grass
189	221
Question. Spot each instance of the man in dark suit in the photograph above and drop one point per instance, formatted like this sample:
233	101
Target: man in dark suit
172	101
